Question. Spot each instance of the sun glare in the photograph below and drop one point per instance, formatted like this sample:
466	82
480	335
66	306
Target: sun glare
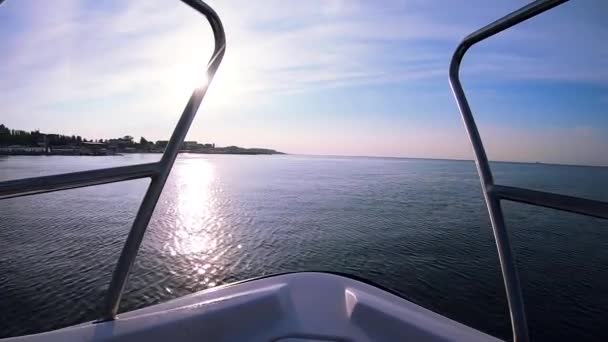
190	78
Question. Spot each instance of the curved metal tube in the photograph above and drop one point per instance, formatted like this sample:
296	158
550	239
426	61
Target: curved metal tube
136	234
507	264
74	180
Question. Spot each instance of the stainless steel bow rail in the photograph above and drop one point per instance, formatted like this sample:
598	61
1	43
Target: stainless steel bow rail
493	193
157	172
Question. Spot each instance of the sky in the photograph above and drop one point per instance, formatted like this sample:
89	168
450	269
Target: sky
335	77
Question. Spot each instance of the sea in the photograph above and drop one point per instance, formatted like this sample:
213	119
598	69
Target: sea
415	226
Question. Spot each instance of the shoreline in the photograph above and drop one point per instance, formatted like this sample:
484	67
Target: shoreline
138	152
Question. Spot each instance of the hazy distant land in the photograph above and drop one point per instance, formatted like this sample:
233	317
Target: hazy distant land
19	142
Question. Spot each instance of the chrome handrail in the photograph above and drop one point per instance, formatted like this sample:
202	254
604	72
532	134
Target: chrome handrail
157	172
493	193
73	180
136	234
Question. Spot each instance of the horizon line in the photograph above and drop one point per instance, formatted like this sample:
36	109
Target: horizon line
445	159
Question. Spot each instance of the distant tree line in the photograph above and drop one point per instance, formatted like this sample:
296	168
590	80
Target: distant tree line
34	138
10	137
18	137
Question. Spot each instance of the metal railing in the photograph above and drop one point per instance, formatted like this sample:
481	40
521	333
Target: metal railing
157	172
493	193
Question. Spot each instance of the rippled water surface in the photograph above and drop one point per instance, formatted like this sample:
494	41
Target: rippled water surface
418	227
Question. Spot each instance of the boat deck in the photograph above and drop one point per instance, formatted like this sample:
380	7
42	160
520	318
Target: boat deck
306	306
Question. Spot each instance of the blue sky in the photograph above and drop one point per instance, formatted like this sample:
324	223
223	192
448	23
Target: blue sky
316	77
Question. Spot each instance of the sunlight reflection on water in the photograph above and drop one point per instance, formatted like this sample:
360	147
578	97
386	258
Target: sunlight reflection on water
199	236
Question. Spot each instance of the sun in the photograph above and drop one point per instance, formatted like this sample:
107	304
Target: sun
181	79
190	72
189	77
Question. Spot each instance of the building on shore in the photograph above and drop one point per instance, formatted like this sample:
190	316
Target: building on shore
162	144
68	150
94	149
196	146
